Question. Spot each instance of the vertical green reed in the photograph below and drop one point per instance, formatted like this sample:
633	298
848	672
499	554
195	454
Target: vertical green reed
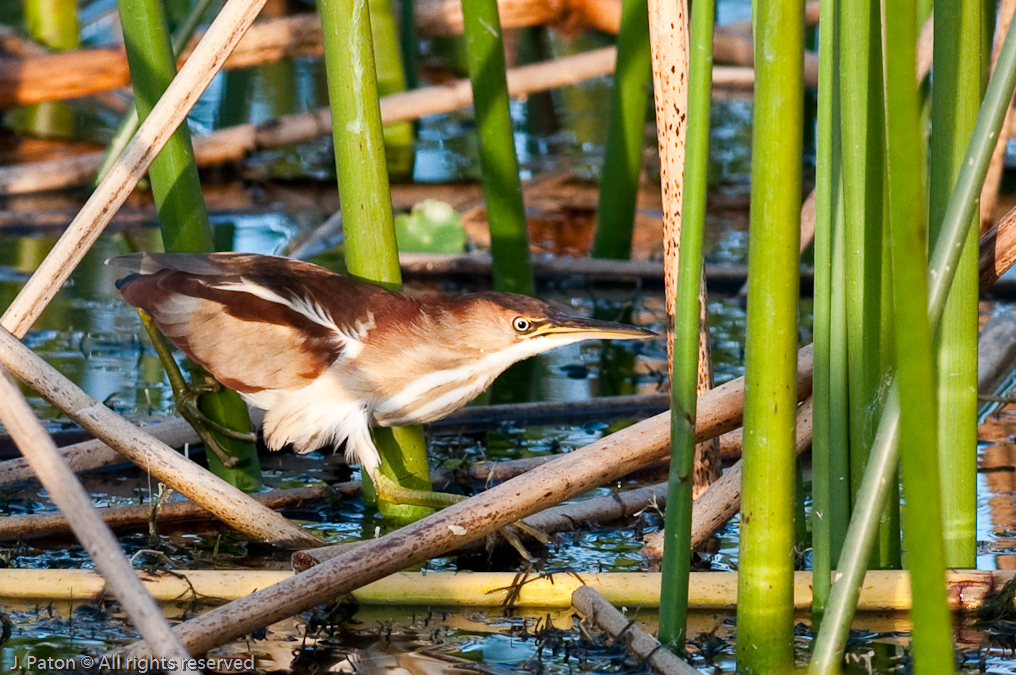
368	226
863	176
915	363
53	23
391	78
871	498
830	451
509	241
183	219
765	609
622	159
130	123
955	100
687	322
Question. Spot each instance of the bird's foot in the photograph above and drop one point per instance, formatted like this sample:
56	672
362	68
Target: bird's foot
390	491
186	396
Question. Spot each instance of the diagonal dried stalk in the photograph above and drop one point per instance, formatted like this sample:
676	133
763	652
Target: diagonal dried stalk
93	534
171	110
228	503
719	410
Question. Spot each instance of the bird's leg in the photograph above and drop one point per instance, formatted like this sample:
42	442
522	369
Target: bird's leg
390	491
186	396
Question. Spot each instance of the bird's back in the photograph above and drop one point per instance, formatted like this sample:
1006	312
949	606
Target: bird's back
255	322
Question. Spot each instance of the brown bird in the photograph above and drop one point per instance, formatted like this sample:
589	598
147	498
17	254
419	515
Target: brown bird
327	356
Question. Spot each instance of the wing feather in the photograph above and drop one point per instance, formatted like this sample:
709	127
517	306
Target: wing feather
255	322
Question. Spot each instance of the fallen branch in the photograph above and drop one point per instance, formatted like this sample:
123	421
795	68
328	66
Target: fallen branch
120	518
640	644
75	503
882	591
569	517
94	454
719	410
228	503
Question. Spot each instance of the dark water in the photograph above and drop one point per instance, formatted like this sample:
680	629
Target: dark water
282	195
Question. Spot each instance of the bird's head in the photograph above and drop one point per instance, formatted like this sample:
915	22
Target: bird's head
518	326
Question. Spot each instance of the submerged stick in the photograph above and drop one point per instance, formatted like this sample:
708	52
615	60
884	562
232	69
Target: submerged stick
229	504
620	453
76	505
640	644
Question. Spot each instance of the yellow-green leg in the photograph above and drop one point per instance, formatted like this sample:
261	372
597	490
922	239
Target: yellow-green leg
186	396
390	491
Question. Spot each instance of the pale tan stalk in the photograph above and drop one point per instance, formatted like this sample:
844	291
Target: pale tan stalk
76	505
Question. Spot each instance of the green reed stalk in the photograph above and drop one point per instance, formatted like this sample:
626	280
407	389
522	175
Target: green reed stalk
183	219
830	451
391	78
915	363
622	159
765	609
368	226
871	498
53	23
687	329
863	176
955	101
409	43
131	122
506	216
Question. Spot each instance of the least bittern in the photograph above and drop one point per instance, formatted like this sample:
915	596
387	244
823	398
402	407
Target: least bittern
326	356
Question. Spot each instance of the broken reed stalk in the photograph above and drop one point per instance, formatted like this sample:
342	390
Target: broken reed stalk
220	39
228	503
719	410
76	505
595	609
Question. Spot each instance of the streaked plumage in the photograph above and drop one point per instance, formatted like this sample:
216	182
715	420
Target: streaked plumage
326	356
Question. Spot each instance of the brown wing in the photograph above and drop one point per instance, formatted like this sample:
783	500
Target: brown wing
254	322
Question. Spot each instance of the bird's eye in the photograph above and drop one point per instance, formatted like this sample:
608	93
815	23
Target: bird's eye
522	324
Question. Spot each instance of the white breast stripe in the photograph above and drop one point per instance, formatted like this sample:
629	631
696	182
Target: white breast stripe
418	389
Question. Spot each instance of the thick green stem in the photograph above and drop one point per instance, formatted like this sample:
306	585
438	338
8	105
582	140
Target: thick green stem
915	363
871	498
765	609
506	217
863	176
622	160
131	122
371	251
176	187
687	324
955	101
830	451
